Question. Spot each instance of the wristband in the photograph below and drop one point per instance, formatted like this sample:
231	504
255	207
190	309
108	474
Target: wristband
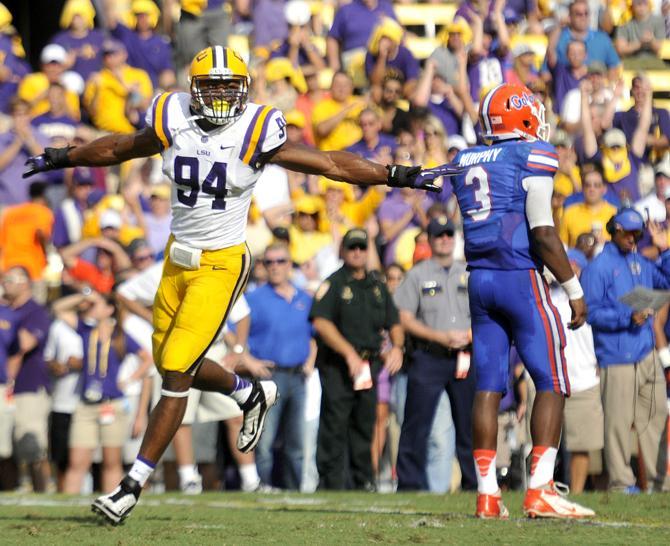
664	357
573	289
238	349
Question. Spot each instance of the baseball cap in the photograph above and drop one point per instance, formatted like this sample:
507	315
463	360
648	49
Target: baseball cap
53	53
663	168
629	219
561	138
112	46
614	137
456	141
295	117
82	176
110	219
597	67
355	236
297	12
440	225
162	191
522	49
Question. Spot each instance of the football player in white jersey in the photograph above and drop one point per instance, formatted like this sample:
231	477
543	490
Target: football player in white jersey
214	145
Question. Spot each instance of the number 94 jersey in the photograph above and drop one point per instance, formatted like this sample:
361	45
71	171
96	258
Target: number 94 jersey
491	194
213	172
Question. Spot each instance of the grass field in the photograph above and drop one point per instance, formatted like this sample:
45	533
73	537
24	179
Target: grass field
326	518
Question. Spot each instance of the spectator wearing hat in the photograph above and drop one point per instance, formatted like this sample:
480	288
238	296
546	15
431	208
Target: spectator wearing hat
284	83
653	206
82	42
387	54
34	88
298	46
25	232
351	29
642	36
146	49
69	217
449	56
434	310
343	210
599	47
12	71
28	375
351	308
17	143
523	70
335	119
567	179
305	237
632	384
621	161
117	96
592	214
659	130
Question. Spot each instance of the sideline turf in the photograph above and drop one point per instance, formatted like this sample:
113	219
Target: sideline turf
326	518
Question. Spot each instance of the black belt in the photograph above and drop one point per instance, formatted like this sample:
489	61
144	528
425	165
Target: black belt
436	349
292	370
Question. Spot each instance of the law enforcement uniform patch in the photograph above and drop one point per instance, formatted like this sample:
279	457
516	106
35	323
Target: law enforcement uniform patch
347	294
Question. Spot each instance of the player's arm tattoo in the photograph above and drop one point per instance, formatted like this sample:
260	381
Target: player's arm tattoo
114	149
342	166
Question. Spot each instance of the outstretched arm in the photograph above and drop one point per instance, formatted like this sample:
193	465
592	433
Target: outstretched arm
108	150
346	167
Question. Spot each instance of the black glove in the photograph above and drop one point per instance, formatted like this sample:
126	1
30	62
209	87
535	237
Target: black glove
52	158
401	176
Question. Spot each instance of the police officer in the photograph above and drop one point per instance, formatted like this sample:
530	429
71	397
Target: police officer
350	310
433	306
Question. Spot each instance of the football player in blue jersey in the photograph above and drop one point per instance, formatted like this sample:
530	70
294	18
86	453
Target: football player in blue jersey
504	194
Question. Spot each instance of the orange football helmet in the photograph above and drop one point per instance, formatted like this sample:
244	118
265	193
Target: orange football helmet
512	111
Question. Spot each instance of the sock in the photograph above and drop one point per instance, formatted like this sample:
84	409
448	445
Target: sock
187	473
542	461
249	476
485	467
241	390
141	470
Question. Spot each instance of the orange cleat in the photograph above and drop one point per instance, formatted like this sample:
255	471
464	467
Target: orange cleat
491	507
549	501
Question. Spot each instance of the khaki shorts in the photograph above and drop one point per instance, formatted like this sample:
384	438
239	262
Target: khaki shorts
6	425
87	431
584	427
31	425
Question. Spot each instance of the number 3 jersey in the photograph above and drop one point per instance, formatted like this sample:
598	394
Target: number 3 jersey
491	194
213	172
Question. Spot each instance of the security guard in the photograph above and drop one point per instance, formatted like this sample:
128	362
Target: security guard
350	310
433	307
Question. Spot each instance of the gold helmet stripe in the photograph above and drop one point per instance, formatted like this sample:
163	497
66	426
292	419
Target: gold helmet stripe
160	120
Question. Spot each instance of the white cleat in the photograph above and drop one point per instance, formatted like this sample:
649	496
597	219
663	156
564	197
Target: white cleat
550	501
192	486
263	396
117	505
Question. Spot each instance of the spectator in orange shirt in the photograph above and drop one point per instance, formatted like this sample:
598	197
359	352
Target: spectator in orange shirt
25	230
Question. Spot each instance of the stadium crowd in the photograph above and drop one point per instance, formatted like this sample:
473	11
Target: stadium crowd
81	250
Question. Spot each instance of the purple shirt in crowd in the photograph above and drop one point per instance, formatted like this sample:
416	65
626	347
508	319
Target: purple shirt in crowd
404	63
353	23
269	22
392	209
564	81
110	388
88	50
362	149
33	374
152	54
445	113
13	188
18	68
9	344
485	72
283	51
60	236
627	121
158	231
55	126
